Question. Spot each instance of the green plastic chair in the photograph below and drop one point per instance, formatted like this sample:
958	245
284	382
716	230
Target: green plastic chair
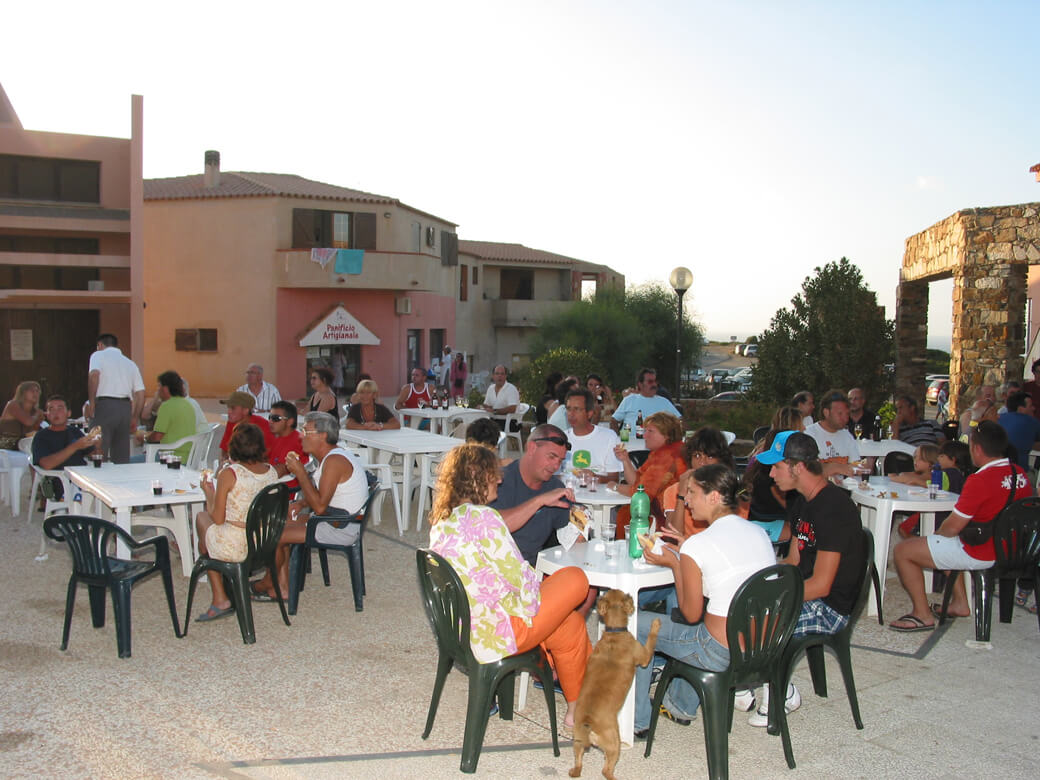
812	644
88	539
264	524
447	607
1016	541
761	619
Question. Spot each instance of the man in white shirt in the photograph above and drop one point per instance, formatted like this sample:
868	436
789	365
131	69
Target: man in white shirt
645	400
264	393
838	448
115	393
502	397
592	446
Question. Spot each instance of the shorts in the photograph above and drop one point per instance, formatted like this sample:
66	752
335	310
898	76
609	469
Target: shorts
948	553
772	527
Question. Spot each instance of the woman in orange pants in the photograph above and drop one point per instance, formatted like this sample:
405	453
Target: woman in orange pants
511	611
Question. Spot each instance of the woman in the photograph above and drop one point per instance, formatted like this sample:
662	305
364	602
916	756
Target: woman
22	415
323	399
367	413
457	376
510	610
605	405
662	434
710	565
542	410
706	445
222	525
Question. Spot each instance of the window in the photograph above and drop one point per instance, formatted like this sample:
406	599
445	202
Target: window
46	277
49	245
475	275
47	178
516	284
463	283
343	229
195	339
436	344
414	349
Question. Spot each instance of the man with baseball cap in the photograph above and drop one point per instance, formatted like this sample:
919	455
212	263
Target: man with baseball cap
826	543
240	409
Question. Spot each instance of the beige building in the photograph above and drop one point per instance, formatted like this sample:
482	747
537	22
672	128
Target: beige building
71	256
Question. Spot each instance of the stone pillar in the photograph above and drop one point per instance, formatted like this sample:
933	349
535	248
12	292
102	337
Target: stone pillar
911	339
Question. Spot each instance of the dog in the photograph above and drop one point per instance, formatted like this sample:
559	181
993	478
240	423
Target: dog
608	677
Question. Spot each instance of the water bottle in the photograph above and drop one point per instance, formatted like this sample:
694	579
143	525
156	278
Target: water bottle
624	432
935	485
639	508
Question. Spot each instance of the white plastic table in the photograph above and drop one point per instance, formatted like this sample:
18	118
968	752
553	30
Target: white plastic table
868	448
439	417
408	442
877	505
121	487
600	502
621	572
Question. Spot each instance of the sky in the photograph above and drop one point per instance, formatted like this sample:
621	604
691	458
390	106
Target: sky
747	141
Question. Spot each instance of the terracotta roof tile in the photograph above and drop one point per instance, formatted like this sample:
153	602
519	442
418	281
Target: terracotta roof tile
492	251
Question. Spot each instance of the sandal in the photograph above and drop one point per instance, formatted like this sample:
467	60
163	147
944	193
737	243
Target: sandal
215	613
916	624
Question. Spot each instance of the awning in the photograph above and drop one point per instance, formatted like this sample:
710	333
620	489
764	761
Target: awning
339	326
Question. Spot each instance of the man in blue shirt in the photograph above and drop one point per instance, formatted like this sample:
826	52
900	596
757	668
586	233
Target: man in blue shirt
1023	429
645	400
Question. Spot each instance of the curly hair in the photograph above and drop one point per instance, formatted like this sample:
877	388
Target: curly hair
669	425
464	477
247	444
711	443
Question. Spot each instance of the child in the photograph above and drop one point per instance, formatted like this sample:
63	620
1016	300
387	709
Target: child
954	459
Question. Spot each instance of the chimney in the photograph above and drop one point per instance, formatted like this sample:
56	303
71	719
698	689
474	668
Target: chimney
211	173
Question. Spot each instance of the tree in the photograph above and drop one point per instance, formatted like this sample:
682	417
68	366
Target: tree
624	332
834	335
530	380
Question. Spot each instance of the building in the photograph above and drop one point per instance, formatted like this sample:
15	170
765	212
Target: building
291	273
71	255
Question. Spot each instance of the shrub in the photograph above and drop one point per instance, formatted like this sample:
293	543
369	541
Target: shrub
530	380
740	417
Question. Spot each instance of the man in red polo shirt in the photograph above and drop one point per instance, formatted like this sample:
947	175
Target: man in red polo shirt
985	494
240	409
286	438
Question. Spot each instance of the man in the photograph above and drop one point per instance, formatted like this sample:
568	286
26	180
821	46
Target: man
534	503
826	546
115	393
983	497
416	391
806	405
860	415
176	417
1010	388
910	428
645	400
240	409
837	447
444	370
264	393
985	397
1033	387
502	397
1022	428
592	446
285	438
58	446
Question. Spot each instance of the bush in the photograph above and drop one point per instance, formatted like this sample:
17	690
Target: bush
530	380
740	417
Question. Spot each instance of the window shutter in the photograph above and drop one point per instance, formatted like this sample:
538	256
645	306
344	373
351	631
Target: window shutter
364	230
304	223
449	248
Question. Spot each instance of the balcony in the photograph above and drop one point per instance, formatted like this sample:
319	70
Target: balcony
524	314
404	271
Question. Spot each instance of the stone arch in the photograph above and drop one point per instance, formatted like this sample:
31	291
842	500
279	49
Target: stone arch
987	252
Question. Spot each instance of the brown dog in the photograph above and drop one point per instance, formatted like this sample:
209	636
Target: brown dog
608	677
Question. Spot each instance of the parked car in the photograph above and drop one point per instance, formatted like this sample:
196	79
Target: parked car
719	375
936	387
728	397
751	350
738	349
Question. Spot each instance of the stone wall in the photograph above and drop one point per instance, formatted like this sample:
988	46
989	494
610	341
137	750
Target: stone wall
987	251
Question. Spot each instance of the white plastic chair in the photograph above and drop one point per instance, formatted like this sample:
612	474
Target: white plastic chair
729	436
428	467
15	466
517	417
385	474
196	455
455	426
51	506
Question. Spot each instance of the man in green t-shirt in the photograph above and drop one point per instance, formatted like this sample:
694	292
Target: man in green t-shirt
176	418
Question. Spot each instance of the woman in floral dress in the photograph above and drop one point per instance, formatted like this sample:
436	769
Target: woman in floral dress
510	610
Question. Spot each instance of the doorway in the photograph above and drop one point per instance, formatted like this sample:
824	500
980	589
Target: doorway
343	360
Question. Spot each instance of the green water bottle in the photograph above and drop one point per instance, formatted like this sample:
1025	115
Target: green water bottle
639	509
624	432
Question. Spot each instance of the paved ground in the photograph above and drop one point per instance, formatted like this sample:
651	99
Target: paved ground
344	694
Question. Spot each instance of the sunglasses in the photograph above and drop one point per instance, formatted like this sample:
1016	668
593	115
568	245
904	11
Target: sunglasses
559	441
276	418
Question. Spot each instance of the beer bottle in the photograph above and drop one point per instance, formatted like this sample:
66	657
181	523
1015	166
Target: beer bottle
639	426
877	427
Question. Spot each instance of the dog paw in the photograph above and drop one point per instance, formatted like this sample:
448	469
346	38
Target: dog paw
656	625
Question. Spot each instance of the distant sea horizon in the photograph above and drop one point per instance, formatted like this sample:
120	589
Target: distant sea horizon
935	341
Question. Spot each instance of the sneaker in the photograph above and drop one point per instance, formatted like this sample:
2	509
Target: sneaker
744	700
760	717
673	717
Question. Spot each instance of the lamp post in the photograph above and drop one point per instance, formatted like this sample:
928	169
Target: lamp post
680	279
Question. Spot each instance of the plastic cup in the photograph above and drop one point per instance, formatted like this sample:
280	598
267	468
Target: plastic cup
156	487
609	530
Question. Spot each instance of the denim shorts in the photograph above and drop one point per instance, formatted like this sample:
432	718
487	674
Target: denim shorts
948	553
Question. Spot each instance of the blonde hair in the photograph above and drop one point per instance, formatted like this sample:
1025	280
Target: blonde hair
464	478
367	385
929	453
23	388
669	425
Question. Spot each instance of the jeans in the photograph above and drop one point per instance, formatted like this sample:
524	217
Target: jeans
666	594
691	644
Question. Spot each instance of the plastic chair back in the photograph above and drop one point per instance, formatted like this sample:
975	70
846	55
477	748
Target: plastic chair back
761	620
88	539
265	521
1016	536
447	607
898	463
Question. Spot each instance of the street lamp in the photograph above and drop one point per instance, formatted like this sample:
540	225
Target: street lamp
680	279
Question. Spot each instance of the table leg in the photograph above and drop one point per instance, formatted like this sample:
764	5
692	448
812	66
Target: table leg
408	461
122	519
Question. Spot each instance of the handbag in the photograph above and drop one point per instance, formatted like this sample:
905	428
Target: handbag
974	534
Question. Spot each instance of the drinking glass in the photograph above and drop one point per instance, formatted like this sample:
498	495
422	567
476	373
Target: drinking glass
609	528
858	430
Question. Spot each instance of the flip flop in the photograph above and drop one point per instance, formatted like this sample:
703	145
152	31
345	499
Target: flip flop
214	613
916	624
262	596
937	611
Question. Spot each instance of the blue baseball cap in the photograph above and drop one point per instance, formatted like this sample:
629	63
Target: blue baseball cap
791	445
